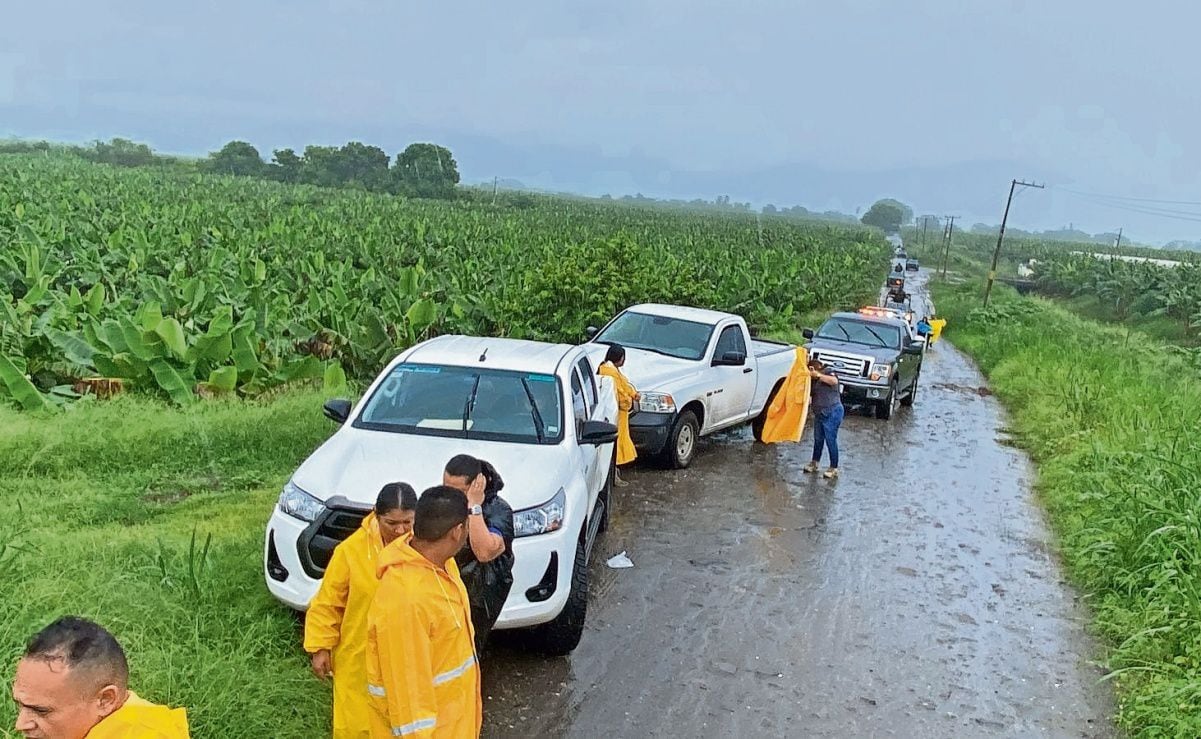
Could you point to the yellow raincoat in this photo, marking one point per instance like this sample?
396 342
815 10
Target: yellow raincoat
337 621
787 412
141 719
422 673
625 403
936 327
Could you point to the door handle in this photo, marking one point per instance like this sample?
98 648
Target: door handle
747 371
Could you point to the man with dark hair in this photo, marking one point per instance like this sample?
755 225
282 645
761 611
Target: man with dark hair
422 673
73 683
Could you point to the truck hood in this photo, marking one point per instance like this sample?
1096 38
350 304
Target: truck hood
650 371
356 463
881 354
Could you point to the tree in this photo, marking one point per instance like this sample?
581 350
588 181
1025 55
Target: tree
426 171
906 211
886 215
236 158
769 210
358 163
286 165
121 152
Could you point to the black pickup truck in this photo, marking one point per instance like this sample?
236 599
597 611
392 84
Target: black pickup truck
877 358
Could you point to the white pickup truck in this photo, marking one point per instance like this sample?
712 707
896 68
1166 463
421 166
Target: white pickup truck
538 412
697 371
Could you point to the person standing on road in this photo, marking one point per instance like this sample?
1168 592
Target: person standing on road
923 326
73 683
828 412
422 672
486 561
335 627
627 396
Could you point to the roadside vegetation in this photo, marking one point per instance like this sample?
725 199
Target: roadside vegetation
1110 417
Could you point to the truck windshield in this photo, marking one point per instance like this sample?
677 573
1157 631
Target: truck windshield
860 332
466 402
673 337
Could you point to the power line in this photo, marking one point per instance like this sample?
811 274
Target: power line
992 273
1178 215
1131 199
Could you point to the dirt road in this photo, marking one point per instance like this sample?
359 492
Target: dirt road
914 597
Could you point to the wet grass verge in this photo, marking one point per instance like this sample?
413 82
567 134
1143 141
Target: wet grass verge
1112 420
149 519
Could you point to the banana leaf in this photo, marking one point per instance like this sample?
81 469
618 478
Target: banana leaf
20 388
170 380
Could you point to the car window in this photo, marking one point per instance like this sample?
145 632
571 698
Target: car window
673 337
860 332
437 400
730 341
589 375
579 405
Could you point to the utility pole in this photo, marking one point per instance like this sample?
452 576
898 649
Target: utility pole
495 182
1118 245
947 247
992 273
924 221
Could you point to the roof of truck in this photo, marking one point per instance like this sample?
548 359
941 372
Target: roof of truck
682 312
502 354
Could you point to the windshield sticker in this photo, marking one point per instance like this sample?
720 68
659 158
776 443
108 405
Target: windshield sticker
425 369
540 378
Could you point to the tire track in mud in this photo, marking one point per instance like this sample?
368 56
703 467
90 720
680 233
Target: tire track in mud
916 596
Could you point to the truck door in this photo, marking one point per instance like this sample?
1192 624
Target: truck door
733 388
586 407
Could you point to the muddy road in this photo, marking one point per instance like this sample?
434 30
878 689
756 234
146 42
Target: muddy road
917 596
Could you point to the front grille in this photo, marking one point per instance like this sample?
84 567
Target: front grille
317 542
844 365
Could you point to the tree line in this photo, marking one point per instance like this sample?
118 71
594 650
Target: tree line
422 170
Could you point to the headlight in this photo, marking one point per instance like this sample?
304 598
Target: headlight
656 403
542 519
299 504
881 371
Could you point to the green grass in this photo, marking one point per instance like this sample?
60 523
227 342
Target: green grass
1111 419
102 503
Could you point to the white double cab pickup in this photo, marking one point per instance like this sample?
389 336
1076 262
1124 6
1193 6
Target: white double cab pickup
697 371
545 419
538 412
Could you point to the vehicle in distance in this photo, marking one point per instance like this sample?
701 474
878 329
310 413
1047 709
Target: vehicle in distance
538 412
697 371
911 265
877 357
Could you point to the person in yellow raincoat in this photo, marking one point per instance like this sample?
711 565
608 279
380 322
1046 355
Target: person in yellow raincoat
335 627
789 407
627 396
422 673
73 683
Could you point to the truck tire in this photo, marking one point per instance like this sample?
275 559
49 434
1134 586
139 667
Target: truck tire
911 396
681 442
560 636
886 407
761 419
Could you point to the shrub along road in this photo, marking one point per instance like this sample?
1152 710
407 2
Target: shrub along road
916 596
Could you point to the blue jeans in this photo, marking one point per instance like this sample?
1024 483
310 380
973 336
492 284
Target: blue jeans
825 432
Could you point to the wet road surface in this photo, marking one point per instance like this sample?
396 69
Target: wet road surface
917 596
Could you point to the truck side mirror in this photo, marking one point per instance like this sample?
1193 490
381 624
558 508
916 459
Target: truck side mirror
597 433
336 410
591 332
807 333
730 359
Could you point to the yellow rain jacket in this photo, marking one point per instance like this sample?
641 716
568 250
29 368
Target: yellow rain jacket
337 621
422 674
936 327
787 412
140 719
625 403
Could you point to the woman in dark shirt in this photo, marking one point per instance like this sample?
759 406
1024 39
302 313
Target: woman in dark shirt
826 404
486 560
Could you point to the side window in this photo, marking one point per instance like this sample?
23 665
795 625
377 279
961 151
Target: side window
730 341
578 405
589 376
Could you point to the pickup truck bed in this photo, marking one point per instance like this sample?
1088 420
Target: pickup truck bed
767 347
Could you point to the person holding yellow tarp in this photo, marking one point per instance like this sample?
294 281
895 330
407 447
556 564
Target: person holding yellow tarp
936 327
788 409
627 396
335 627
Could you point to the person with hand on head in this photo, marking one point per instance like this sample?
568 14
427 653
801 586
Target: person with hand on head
335 627
627 396
486 561
826 405
73 683
423 678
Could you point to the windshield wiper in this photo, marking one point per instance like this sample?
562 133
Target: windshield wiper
469 406
534 410
879 338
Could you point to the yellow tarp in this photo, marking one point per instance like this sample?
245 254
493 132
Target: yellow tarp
936 326
786 415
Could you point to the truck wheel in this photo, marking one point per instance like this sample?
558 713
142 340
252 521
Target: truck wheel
886 407
761 419
559 637
681 442
907 401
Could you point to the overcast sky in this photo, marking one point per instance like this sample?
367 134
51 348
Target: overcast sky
827 104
